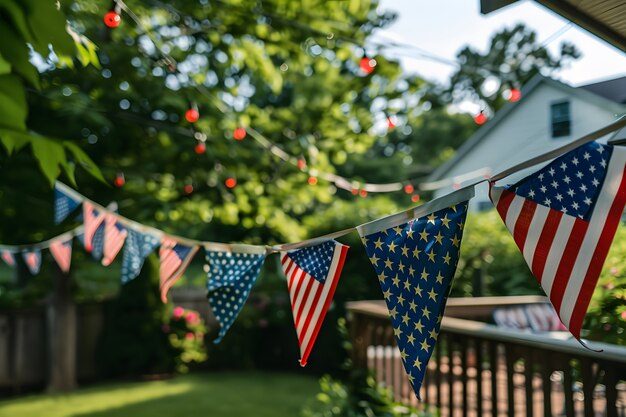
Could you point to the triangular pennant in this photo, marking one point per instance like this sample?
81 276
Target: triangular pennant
62 253
32 260
114 237
8 257
415 263
563 219
138 247
175 258
231 277
312 276
64 205
92 219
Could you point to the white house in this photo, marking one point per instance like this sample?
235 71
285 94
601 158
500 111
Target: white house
549 115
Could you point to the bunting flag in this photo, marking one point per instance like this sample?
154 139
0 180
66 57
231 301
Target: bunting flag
138 247
62 253
8 258
563 219
114 237
92 219
415 263
63 204
97 242
312 275
32 260
231 277
175 258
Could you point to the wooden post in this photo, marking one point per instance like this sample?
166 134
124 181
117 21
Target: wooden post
61 335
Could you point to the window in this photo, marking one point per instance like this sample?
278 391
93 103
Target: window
560 117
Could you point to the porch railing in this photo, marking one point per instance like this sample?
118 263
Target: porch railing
478 369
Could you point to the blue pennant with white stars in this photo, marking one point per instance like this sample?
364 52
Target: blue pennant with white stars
415 263
137 248
64 205
231 277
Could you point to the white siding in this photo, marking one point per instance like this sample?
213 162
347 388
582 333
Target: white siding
526 132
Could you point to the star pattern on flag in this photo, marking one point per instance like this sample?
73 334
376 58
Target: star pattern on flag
570 185
316 260
63 205
138 247
231 277
415 263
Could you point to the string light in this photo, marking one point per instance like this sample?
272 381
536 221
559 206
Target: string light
480 118
409 188
192 115
391 122
119 180
415 198
200 148
513 94
363 193
312 180
239 133
230 182
112 19
367 65
188 188
301 164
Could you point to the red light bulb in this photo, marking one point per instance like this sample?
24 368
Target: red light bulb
312 180
112 19
409 188
367 65
200 148
119 180
192 115
239 133
230 182
188 188
363 193
415 198
301 164
390 122
355 191
514 95
480 118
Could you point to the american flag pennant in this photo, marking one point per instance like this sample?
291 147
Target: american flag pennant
312 276
138 247
8 257
175 258
64 204
61 251
92 219
32 260
97 242
415 262
563 219
114 237
231 276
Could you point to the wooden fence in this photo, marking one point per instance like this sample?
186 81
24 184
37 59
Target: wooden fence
480 370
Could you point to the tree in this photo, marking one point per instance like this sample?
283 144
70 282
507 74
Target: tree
514 56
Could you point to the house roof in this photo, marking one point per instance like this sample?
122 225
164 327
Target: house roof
606 19
529 88
614 90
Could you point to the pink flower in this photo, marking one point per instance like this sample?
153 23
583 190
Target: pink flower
189 336
623 315
178 312
192 318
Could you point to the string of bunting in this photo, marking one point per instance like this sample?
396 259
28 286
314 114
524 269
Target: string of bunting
563 218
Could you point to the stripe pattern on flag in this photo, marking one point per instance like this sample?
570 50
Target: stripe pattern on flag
174 258
62 253
92 219
114 237
32 260
8 258
312 275
563 219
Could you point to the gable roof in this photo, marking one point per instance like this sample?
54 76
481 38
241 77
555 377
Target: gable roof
614 90
527 89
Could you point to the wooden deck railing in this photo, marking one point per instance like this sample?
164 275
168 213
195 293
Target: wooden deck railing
479 369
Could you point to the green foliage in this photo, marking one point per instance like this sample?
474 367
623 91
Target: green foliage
513 57
491 263
359 397
36 24
186 331
606 318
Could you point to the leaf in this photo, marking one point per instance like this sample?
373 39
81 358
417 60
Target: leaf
13 106
84 160
5 66
14 140
14 50
50 155
17 19
47 23
83 54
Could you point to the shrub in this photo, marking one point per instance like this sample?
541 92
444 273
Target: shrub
186 331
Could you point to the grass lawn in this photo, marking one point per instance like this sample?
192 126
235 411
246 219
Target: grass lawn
215 395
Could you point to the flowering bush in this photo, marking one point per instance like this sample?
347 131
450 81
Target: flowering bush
186 331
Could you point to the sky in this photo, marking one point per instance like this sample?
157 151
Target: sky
443 27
